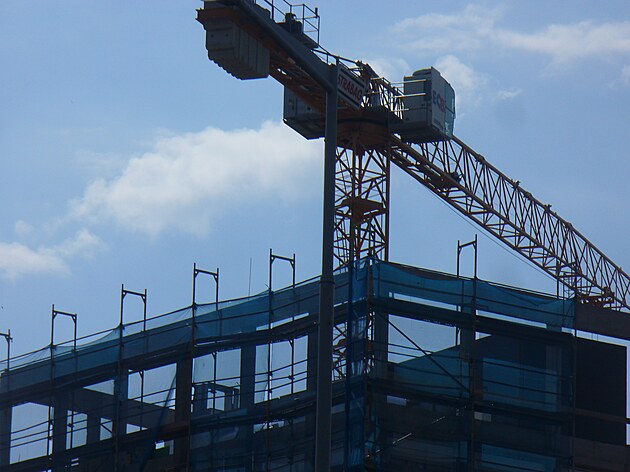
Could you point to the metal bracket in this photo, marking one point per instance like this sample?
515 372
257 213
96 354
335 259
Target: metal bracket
214 275
54 314
272 258
142 296
460 247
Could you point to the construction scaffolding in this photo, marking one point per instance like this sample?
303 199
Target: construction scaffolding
440 373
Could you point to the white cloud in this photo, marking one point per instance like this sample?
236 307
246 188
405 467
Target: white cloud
469 85
17 259
22 228
568 42
83 243
185 180
448 33
476 28
392 68
625 75
507 95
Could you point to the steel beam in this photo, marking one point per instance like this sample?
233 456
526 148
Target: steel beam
327 288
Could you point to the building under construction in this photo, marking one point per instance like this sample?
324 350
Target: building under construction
377 366
436 372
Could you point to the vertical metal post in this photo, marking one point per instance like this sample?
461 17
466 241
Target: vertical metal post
216 292
271 259
121 383
58 420
144 311
7 337
269 369
323 414
118 383
468 343
476 251
215 276
473 369
122 304
291 260
194 287
52 327
51 379
557 279
460 247
186 380
6 414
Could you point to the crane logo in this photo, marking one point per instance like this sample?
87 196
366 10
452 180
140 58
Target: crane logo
351 88
439 101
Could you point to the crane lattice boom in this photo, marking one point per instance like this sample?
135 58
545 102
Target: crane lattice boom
469 183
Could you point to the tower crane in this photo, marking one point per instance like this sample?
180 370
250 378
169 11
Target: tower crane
370 124
254 39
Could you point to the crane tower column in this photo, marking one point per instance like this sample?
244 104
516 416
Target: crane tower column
362 194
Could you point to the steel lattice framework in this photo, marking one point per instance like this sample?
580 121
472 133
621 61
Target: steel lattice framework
362 203
477 189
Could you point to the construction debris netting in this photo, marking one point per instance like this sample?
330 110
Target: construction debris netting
231 386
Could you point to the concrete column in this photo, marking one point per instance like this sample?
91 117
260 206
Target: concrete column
248 386
6 415
121 392
183 405
119 425
60 429
183 390
5 436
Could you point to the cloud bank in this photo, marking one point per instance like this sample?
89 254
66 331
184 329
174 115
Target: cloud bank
186 180
182 183
17 259
476 28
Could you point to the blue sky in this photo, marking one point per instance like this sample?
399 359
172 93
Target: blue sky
126 155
